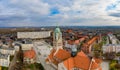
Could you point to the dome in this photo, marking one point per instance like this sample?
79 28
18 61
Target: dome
57 30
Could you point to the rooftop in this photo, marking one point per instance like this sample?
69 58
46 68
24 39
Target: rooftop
30 54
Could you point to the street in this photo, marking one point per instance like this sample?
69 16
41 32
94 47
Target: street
13 62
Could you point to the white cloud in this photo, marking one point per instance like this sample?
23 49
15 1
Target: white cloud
71 12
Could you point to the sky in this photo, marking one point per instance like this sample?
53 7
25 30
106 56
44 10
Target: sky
18 13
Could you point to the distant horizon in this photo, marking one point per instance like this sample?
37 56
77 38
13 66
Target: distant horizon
51 26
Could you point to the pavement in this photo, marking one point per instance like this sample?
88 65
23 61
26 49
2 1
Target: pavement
41 59
105 65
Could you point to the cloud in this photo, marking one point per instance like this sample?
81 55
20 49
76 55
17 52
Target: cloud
62 12
115 14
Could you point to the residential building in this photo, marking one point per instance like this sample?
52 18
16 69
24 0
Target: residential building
111 48
113 39
7 50
17 47
87 47
34 35
27 46
4 60
29 56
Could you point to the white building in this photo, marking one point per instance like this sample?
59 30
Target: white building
42 49
17 47
5 50
4 60
111 48
26 46
113 39
69 45
34 35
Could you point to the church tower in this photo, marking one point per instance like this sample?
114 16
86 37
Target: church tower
57 39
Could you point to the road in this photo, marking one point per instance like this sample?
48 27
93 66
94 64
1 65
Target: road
13 62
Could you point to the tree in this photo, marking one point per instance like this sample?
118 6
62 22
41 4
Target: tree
110 56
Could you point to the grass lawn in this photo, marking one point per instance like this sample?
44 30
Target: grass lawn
4 68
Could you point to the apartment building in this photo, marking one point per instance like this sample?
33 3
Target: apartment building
111 48
34 35
8 50
4 60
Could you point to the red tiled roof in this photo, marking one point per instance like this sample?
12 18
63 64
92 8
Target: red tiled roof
69 31
80 61
30 54
98 60
92 40
62 54
69 63
77 42
82 39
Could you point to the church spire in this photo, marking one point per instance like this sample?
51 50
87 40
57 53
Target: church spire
57 38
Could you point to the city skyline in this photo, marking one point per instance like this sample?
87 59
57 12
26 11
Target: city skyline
17 13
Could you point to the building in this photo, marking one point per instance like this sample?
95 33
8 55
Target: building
27 46
113 39
4 60
42 49
34 35
62 60
29 56
57 56
57 38
87 47
79 62
70 45
17 47
5 50
108 48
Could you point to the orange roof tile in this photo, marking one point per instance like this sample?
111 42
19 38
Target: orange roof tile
69 31
50 57
69 63
81 53
80 61
85 46
58 57
94 65
30 54
62 54
82 39
92 40
98 60
77 41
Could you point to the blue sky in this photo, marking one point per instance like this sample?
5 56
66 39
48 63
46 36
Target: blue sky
59 12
